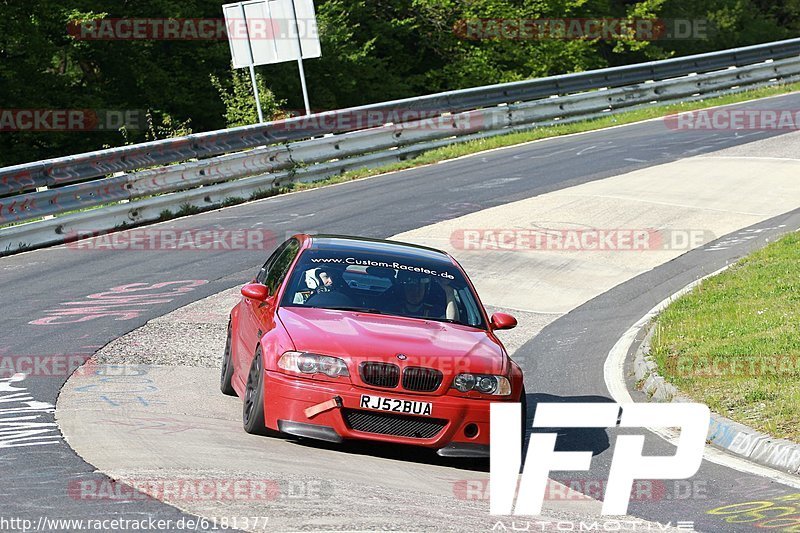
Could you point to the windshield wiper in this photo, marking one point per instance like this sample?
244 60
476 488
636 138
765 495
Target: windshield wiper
448 320
356 309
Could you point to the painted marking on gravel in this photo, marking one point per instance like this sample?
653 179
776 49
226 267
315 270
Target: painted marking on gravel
125 302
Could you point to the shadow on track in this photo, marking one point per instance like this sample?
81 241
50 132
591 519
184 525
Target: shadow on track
569 439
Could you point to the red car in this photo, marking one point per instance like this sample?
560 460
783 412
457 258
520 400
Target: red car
352 338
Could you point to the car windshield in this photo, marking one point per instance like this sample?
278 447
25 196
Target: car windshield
383 284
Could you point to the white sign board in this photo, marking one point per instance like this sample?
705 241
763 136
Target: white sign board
262 32
308 29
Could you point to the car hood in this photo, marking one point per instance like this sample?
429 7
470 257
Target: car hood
359 337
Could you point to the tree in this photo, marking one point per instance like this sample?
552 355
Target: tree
372 50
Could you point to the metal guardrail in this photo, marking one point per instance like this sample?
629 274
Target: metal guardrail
259 157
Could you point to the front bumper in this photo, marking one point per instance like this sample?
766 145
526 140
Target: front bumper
464 421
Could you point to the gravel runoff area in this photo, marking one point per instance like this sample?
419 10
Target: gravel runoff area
344 506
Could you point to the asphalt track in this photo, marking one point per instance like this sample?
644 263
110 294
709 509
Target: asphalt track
35 477
584 337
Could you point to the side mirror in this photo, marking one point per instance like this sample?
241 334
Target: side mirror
503 321
255 291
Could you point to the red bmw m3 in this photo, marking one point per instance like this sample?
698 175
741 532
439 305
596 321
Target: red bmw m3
350 338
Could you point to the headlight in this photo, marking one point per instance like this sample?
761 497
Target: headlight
464 382
494 385
311 363
487 384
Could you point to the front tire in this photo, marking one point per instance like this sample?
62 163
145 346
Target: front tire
253 409
226 371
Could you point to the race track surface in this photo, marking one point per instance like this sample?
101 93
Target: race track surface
39 286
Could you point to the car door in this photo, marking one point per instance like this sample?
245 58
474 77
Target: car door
244 333
261 315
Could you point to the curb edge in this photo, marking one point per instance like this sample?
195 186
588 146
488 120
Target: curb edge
723 432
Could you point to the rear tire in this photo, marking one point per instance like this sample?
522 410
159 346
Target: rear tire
226 371
253 408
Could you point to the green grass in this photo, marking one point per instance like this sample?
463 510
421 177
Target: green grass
733 343
471 147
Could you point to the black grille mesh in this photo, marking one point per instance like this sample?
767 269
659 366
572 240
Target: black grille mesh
421 379
380 374
398 425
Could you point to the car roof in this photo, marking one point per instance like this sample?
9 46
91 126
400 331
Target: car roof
350 243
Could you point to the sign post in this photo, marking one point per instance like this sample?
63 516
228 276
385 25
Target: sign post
300 56
262 32
252 66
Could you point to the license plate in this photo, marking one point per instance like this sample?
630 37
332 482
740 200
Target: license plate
410 407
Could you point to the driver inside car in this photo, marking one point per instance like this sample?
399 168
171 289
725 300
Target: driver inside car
420 299
323 279
330 289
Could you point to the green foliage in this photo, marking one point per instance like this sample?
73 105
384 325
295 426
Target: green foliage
232 200
188 209
372 50
164 126
239 100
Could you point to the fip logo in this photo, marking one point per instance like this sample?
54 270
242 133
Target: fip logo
627 465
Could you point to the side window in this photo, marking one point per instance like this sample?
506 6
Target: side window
280 267
262 274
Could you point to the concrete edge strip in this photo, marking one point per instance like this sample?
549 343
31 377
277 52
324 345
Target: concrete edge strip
753 452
